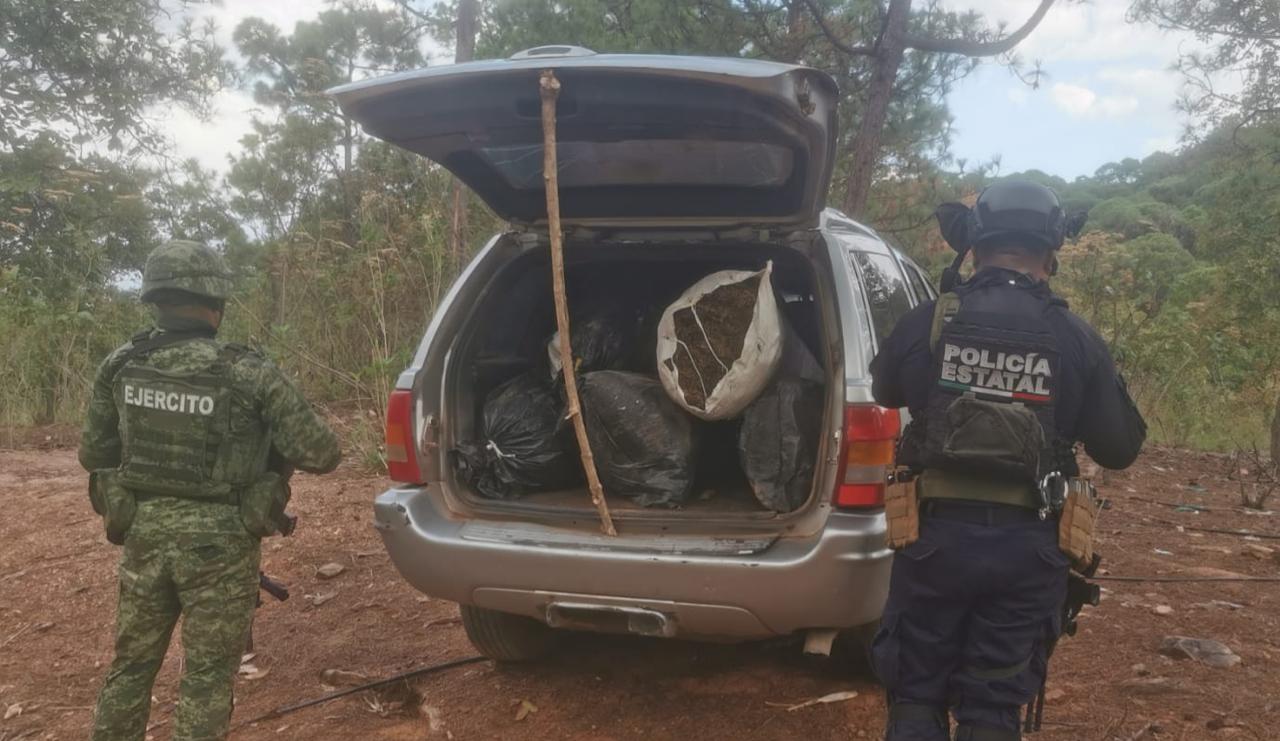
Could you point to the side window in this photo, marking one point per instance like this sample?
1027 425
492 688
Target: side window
918 283
931 291
886 290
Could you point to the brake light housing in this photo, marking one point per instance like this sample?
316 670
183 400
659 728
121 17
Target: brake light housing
870 441
402 454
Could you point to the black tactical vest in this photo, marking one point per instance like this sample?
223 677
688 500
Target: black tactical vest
184 434
996 361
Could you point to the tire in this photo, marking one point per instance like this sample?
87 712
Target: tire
502 636
851 654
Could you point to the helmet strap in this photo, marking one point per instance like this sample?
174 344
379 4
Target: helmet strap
951 276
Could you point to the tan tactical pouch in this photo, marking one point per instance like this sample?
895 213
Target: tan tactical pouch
902 512
1075 527
113 501
262 505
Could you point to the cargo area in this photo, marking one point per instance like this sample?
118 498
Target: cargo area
617 296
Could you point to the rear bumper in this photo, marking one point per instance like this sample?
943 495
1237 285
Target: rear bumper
838 578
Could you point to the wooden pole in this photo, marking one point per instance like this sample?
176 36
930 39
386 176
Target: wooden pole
549 87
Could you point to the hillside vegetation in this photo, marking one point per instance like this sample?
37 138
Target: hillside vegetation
1179 268
343 246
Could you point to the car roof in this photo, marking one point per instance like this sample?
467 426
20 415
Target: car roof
836 221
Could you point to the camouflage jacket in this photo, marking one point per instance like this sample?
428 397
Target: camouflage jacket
297 433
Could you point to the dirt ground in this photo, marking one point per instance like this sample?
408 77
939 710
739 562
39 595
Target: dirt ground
57 595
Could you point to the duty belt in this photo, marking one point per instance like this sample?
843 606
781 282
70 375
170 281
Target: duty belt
232 498
977 513
935 483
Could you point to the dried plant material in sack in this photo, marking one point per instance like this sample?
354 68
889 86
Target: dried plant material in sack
902 514
642 442
720 343
1076 525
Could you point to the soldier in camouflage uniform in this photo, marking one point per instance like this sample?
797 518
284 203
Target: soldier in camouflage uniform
177 436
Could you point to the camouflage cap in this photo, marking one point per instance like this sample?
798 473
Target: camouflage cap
187 266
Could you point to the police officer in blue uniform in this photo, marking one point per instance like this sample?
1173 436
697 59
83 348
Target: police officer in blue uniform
1002 381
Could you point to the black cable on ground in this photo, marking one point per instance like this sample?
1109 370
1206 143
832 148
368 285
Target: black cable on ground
1218 530
286 709
1186 579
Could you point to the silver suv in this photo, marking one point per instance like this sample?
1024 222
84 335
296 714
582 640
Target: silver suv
670 168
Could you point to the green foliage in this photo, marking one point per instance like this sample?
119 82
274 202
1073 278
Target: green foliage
1243 40
915 138
99 66
339 243
51 349
1119 215
1179 274
296 166
658 26
67 229
1177 269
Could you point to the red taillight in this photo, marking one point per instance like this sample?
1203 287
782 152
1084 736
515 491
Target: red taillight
402 461
870 436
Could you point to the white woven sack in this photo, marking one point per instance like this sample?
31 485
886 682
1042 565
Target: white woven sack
747 374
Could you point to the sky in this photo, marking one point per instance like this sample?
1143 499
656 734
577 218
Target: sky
211 141
1108 93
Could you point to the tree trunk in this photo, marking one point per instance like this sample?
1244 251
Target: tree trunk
279 285
348 144
47 410
464 51
465 47
795 31
351 232
458 223
348 133
866 143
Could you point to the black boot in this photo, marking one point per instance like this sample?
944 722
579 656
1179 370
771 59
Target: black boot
966 732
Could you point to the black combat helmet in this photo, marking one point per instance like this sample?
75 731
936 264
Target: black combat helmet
1018 208
1015 209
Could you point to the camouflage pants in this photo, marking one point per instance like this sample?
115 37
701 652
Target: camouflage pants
211 580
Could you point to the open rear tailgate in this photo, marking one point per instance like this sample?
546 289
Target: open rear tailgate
643 140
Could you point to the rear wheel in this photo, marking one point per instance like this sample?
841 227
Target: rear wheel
851 653
502 636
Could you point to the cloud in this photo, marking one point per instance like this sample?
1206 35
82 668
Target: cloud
283 15
212 141
1116 106
1083 102
1158 86
1074 99
1109 93
1089 32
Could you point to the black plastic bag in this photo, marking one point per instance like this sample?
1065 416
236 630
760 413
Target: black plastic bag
642 442
778 442
600 342
525 447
